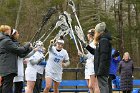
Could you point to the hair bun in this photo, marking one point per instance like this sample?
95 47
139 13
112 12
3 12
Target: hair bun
61 37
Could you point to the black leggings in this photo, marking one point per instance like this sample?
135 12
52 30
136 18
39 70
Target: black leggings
7 83
127 91
38 83
18 86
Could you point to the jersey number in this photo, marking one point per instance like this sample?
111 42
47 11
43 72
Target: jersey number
56 60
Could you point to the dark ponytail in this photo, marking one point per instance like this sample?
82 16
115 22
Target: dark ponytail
61 38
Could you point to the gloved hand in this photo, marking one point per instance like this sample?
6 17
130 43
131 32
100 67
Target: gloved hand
28 45
82 59
116 54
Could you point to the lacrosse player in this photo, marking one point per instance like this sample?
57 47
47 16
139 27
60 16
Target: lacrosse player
33 66
89 66
58 57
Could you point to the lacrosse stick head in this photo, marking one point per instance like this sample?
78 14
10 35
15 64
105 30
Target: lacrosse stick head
64 22
68 16
71 3
61 33
80 34
61 17
51 11
70 34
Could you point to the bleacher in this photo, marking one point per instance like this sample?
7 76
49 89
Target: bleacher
81 85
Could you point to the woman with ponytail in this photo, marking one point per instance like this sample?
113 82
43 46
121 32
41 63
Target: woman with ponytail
58 57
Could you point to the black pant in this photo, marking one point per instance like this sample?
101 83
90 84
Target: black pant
7 83
103 84
38 84
18 86
111 77
127 91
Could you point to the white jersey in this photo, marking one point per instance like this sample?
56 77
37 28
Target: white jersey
38 68
54 62
89 66
32 69
29 65
36 57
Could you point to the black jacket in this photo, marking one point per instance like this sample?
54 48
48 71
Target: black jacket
102 55
22 55
8 55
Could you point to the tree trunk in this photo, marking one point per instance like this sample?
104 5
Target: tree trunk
137 34
116 22
120 26
18 14
130 26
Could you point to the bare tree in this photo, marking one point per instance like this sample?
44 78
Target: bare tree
18 14
120 26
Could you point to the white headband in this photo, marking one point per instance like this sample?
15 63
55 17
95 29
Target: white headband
60 41
14 31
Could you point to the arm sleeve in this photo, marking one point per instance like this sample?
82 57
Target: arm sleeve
50 48
25 53
117 60
90 49
66 56
30 54
12 47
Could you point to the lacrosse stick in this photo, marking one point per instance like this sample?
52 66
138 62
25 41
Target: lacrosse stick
52 26
49 34
60 23
47 17
71 3
61 33
72 33
80 35
64 28
69 20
